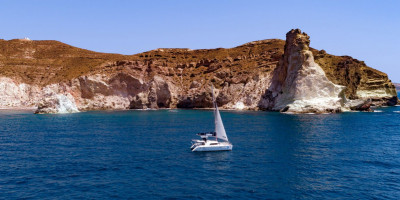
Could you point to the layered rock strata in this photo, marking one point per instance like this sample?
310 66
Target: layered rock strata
55 77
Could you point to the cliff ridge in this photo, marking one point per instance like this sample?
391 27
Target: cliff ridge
56 77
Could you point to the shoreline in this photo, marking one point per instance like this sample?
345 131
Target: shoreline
33 109
19 108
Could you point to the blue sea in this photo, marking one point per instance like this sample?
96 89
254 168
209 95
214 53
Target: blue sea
146 155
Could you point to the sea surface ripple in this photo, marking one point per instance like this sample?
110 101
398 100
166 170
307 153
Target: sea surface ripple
146 155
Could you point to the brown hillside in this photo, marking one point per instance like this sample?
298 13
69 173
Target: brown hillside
46 62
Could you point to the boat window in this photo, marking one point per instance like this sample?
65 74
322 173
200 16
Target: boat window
213 143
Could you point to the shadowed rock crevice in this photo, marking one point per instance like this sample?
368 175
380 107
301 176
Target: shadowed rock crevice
202 100
157 95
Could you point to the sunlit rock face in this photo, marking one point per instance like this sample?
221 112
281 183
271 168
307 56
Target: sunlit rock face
158 94
106 91
299 84
51 99
58 103
17 95
286 76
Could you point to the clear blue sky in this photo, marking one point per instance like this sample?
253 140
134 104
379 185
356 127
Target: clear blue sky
366 30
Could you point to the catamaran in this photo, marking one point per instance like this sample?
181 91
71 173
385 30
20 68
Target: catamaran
221 142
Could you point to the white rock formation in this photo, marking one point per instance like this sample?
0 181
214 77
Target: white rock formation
58 103
53 98
377 93
17 95
299 84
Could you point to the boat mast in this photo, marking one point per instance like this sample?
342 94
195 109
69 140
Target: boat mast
215 110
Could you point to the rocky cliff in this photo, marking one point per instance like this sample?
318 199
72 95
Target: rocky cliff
54 77
299 84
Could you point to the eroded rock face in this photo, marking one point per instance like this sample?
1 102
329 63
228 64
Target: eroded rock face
157 95
299 84
105 91
265 74
230 95
361 81
50 99
17 95
57 104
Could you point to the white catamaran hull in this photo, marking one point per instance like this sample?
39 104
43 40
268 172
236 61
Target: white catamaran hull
218 147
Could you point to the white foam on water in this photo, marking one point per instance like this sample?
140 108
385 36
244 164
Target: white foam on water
289 113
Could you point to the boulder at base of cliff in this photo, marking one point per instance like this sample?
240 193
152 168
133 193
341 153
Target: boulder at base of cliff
57 104
359 105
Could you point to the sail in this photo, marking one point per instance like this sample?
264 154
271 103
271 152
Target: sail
219 126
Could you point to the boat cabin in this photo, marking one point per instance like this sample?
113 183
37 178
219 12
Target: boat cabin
208 134
204 136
